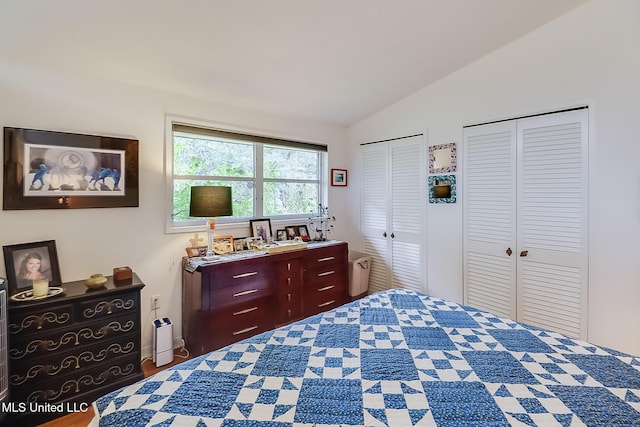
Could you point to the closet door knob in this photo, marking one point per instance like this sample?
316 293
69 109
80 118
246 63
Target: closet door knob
524 253
393 236
384 234
509 251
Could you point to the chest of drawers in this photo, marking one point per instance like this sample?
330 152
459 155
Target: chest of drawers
74 347
324 284
226 301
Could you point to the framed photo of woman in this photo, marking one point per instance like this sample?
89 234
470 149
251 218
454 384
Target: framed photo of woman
27 262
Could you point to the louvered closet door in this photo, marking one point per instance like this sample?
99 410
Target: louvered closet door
374 213
393 212
489 218
526 193
408 202
552 222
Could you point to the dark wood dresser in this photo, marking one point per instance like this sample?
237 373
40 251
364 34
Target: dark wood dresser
229 300
67 350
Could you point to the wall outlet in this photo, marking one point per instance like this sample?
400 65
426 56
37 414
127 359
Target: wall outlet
155 302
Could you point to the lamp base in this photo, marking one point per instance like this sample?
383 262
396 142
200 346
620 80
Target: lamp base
210 231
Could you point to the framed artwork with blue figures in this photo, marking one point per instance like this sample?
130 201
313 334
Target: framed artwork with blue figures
59 170
442 189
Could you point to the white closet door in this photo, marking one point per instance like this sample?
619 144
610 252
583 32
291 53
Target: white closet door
552 222
393 212
408 206
375 213
489 218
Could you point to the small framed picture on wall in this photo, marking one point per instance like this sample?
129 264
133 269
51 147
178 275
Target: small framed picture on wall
339 177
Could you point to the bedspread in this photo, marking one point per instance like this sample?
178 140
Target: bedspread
398 358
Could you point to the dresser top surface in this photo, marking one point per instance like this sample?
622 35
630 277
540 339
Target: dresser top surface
195 263
79 290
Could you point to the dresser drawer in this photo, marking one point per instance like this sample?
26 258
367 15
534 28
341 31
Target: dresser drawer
31 369
72 384
242 293
331 275
69 338
324 293
107 306
41 320
236 273
322 301
242 321
325 256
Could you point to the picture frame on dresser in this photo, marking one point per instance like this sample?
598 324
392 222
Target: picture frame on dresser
195 251
261 228
303 232
26 262
291 232
222 244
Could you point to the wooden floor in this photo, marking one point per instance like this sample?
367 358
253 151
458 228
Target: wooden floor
82 419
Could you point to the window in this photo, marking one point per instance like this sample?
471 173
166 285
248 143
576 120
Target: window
269 177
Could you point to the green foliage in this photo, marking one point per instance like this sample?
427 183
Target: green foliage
199 161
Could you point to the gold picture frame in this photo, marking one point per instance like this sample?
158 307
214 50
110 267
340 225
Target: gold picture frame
222 244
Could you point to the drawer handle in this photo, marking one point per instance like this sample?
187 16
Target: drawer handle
289 297
243 293
244 331
326 273
326 303
326 288
329 258
289 281
240 276
248 310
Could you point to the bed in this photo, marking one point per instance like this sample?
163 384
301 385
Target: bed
398 358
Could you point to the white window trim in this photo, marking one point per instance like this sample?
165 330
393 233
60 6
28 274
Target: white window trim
201 225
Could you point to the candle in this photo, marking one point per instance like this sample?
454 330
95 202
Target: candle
40 288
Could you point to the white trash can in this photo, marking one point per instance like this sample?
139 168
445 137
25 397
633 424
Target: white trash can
359 269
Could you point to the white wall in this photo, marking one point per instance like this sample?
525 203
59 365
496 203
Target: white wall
589 56
96 240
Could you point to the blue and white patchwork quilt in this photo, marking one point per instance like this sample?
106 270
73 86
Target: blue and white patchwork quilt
396 358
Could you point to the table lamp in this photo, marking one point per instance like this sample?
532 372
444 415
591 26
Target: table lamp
210 201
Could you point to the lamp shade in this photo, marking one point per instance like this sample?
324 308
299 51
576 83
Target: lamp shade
210 201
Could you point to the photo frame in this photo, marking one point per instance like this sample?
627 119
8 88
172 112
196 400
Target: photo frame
261 228
222 244
443 158
58 170
281 234
291 232
254 243
195 251
238 245
26 262
339 177
442 189
303 232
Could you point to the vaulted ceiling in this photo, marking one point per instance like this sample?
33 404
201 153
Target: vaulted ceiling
334 61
